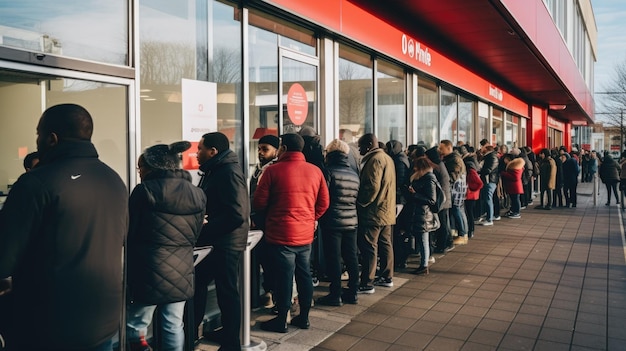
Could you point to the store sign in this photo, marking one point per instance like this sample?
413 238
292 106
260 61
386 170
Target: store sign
553 123
414 50
297 104
495 93
199 103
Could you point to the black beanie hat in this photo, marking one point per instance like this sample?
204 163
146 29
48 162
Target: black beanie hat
165 157
217 140
270 139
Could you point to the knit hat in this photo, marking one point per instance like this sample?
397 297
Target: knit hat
165 157
338 145
270 139
515 151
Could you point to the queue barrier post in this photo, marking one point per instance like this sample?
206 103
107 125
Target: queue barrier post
254 236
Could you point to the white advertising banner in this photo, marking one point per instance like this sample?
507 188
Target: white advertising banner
199 108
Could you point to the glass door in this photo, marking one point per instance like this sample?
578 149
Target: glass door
298 92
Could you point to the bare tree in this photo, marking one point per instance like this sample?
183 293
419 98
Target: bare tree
614 104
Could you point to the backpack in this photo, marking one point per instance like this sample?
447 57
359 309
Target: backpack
441 198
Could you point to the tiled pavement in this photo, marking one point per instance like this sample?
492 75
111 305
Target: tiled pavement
552 280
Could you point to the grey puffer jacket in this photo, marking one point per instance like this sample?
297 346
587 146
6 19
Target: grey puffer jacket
166 214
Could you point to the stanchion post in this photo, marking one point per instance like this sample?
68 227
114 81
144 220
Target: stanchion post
595 190
254 236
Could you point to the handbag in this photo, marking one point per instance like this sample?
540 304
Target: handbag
434 224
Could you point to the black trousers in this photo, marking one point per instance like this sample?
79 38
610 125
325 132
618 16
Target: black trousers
443 237
338 245
221 265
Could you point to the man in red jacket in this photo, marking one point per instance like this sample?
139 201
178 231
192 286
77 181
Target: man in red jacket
294 195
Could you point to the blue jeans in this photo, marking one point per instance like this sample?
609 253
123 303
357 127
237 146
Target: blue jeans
460 220
138 318
423 245
486 194
290 260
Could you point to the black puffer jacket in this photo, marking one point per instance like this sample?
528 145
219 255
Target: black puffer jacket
403 168
343 187
489 172
166 214
227 207
424 197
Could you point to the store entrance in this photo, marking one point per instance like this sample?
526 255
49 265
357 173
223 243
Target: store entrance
298 95
25 95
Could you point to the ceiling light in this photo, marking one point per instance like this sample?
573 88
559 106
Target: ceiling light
557 107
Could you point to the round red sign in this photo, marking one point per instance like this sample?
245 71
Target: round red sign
297 104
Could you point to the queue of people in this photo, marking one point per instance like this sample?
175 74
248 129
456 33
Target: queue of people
364 204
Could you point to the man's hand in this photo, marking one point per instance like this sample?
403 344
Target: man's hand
5 286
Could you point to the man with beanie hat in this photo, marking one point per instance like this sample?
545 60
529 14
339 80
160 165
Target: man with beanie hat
267 153
294 195
376 206
166 213
228 213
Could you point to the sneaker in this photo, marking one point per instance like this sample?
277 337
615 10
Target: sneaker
508 213
514 215
479 221
487 223
497 218
329 301
539 207
461 240
316 282
386 282
349 299
345 276
367 289
547 208
431 259
141 345
522 208
449 248
421 270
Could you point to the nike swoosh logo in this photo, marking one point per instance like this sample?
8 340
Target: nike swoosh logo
74 177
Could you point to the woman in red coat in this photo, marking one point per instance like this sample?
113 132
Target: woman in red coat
512 181
474 184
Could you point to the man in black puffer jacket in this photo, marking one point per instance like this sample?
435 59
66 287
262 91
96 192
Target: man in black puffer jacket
228 213
166 214
62 230
339 225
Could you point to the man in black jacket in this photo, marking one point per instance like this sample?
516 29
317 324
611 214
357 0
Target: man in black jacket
227 226
62 229
490 176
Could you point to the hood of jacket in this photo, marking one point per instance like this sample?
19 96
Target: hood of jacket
394 147
516 163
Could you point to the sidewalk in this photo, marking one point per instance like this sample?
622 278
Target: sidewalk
552 280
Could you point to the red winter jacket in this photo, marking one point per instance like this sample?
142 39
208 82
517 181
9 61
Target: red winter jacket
474 184
294 195
512 176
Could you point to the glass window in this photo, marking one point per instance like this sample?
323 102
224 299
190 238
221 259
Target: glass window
299 101
391 109
107 104
523 139
288 35
449 123
483 122
497 127
427 112
466 121
191 76
355 94
91 29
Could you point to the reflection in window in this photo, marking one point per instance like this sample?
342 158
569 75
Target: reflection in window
355 94
391 110
483 122
448 116
90 30
299 83
175 45
496 126
466 119
427 112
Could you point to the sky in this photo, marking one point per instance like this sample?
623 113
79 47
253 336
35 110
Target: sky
611 23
